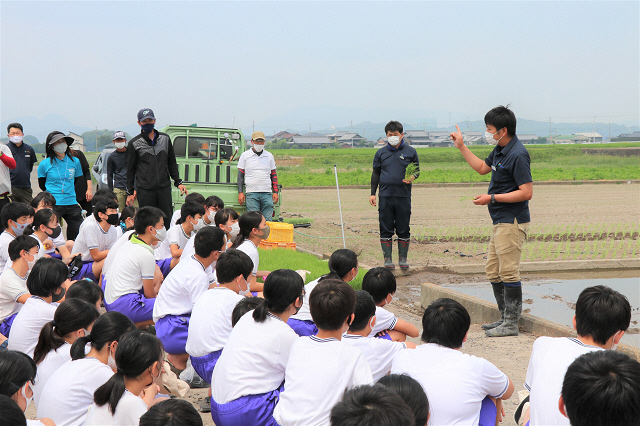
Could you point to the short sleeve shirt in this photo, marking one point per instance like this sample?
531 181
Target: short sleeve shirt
378 352
251 250
393 165
385 320
60 178
92 236
257 170
510 168
133 263
12 286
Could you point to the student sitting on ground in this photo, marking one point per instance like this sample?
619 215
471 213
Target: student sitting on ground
321 367
371 405
602 317
127 395
171 412
245 305
47 285
179 292
227 220
15 218
60 247
378 352
601 388
87 291
249 374
129 282
81 376
253 229
12 415
17 375
192 197
380 283
73 319
13 282
100 195
343 265
127 216
411 393
168 252
461 388
45 229
95 239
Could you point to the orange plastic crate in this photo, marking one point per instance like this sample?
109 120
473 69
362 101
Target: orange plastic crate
268 245
280 232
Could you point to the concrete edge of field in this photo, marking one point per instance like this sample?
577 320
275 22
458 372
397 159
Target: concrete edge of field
485 312
547 266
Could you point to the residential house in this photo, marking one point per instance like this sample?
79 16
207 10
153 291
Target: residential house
78 142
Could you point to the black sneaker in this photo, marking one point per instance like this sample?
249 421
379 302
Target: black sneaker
205 407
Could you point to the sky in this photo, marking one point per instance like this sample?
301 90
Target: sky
217 63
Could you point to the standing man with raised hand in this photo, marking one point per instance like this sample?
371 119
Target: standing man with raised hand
508 197
394 212
25 158
151 165
257 168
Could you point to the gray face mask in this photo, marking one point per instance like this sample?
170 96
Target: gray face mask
60 148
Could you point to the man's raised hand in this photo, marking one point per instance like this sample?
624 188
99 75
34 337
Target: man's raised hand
456 137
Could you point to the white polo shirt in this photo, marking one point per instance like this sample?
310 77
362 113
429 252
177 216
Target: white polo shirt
317 374
385 320
26 326
253 360
175 235
90 219
304 314
455 383
133 263
12 286
210 323
174 218
257 170
128 412
68 394
550 359
51 362
181 289
251 250
41 250
114 250
378 352
5 239
92 236
189 250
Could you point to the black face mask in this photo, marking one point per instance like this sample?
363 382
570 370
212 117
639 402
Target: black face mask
59 296
55 232
113 219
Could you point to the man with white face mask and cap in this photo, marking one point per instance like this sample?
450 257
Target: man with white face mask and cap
394 210
117 169
257 168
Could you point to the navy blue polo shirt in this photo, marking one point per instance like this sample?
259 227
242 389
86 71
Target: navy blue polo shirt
393 165
25 158
510 168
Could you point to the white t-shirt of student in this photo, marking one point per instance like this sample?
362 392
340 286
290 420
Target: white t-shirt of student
90 219
455 383
5 239
51 362
174 218
317 374
133 263
114 250
92 236
12 287
181 289
175 235
550 359
257 170
128 412
26 326
68 394
41 250
251 250
385 320
189 250
57 242
378 352
210 323
264 346
304 314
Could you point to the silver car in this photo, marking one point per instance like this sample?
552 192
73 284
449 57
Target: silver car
99 169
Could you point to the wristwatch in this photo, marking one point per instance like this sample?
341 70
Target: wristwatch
493 198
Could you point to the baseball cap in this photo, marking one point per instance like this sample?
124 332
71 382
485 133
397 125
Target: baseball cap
257 135
56 136
145 113
119 135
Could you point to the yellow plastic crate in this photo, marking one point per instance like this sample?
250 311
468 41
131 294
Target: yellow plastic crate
280 232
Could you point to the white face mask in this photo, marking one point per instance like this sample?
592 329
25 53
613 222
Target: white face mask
258 148
30 263
371 322
244 292
199 224
23 391
161 233
15 139
489 137
212 216
235 230
60 148
614 346
112 362
393 140
120 145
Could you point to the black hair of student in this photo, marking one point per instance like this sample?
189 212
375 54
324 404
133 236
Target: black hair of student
340 263
13 211
379 282
47 276
127 213
70 316
207 240
14 126
50 153
243 306
16 369
281 288
137 351
11 413
102 206
189 209
85 290
47 199
365 309
32 211
146 217
371 405
21 242
393 126
109 327
171 412
104 194
445 322
247 223
223 216
232 263
501 117
194 197
214 201
602 388
411 393
601 312
331 303
41 217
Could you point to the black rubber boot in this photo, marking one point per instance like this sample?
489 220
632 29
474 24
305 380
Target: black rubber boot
512 311
403 250
386 252
498 292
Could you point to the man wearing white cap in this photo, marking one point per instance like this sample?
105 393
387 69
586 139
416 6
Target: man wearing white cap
257 169
117 169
